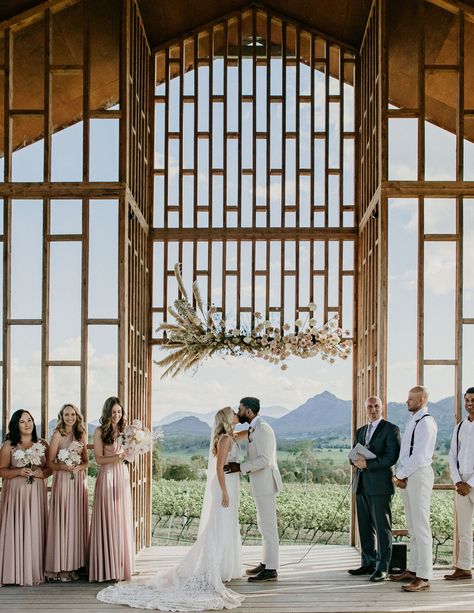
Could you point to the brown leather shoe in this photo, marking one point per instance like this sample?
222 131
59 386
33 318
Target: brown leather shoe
417 585
406 575
458 573
256 570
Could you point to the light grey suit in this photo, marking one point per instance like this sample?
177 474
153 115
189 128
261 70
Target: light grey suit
266 482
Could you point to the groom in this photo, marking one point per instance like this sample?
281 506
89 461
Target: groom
265 481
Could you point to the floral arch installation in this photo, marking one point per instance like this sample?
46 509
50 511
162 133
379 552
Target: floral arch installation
254 186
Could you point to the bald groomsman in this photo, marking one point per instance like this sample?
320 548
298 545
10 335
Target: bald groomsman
414 476
374 489
461 463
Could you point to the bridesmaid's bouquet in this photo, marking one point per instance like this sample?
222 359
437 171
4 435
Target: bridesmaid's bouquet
27 458
135 439
71 455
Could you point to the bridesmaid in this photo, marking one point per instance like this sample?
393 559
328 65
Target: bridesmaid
23 506
111 539
66 549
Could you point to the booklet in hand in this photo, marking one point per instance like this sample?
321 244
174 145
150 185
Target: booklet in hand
360 450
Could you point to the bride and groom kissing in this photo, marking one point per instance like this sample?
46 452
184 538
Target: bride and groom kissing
196 583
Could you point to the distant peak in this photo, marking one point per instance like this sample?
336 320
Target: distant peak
324 395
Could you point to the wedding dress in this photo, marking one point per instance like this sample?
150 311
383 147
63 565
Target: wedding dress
196 583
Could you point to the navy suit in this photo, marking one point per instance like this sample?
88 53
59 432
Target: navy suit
374 490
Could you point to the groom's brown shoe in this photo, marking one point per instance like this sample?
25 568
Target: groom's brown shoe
264 575
417 585
256 570
458 574
406 575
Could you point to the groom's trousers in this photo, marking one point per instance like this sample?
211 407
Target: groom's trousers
267 524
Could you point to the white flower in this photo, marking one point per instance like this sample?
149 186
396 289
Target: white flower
248 339
63 455
299 323
312 306
136 423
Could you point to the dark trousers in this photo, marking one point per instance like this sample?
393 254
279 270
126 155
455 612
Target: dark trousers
374 518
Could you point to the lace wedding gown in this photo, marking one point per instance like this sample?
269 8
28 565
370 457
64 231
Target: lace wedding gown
196 583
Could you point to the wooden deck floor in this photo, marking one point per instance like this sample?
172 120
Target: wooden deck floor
320 583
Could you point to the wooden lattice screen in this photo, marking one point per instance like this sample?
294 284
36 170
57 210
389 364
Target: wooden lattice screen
254 170
80 104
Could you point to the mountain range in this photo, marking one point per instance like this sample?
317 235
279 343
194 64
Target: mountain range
274 411
323 415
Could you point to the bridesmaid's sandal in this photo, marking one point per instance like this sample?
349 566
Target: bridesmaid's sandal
65 577
74 575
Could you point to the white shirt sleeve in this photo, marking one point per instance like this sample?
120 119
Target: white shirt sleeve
423 449
453 457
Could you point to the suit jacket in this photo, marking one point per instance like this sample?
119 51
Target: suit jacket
376 479
262 460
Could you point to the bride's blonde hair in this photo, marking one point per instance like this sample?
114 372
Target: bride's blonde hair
223 424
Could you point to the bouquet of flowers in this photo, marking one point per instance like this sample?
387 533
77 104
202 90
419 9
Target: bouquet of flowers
199 333
72 455
27 458
135 439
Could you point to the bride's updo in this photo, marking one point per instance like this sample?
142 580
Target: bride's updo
223 424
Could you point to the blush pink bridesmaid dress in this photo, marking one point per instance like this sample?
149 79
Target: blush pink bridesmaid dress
112 550
23 519
68 522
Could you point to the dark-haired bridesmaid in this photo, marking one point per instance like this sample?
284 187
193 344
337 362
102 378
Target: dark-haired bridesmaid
66 549
23 504
111 537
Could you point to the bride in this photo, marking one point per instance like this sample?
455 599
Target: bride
196 583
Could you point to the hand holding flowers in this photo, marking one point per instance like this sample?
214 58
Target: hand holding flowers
27 458
135 440
71 456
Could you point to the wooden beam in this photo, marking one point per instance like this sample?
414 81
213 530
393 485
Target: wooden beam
63 190
432 189
243 234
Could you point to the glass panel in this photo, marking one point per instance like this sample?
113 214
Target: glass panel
158 274
467 356
441 37
66 217
468 163
26 370
440 216
468 258
402 296
67 39
440 154
440 300
104 150
64 387
403 73
28 156
66 142
103 258
28 68
1 298
65 301
102 370
26 258
402 149
105 55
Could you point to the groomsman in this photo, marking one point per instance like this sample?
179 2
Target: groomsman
414 476
461 463
374 491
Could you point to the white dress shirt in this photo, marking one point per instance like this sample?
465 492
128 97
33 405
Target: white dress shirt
423 447
372 425
466 453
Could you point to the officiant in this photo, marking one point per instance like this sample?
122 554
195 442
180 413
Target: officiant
374 490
